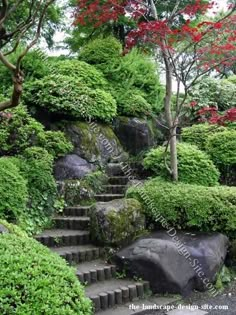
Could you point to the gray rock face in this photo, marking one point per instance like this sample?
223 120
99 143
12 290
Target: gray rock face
95 142
72 167
136 134
117 222
3 229
177 264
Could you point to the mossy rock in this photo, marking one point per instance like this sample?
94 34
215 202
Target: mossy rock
95 142
117 222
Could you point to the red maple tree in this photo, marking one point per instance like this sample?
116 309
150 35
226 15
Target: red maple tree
189 49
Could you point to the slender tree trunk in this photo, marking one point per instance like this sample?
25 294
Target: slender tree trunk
172 125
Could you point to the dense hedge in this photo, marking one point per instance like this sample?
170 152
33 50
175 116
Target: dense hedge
195 166
222 147
186 206
66 96
198 134
36 281
13 190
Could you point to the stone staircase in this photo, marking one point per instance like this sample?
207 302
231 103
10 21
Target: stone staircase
70 238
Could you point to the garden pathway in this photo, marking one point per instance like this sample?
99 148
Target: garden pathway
70 238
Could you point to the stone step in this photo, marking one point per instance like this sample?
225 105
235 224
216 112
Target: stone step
118 180
108 197
94 271
114 189
78 254
60 237
77 211
72 223
109 293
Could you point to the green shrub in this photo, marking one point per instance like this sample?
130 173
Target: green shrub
18 131
134 105
36 166
185 206
136 72
55 143
222 147
199 133
66 96
36 281
101 51
195 166
83 72
96 180
13 191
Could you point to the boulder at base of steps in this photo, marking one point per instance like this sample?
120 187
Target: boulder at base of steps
179 261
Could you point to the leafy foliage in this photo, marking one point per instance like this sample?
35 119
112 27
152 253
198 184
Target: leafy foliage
13 190
198 134
136 73
54 142
39 282
185 206
66 96
18 131
36 166
195 166
214 92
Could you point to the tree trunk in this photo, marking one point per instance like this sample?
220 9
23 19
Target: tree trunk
172 125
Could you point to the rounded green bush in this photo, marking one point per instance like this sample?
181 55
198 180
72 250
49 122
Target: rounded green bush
18 131
222 148
198 134
83 72
36 281
185 206
13 191
195 166
65 95
101 51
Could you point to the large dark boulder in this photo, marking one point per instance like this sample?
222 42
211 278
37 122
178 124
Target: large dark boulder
117 222
175 262
94 142
134 134
72 166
